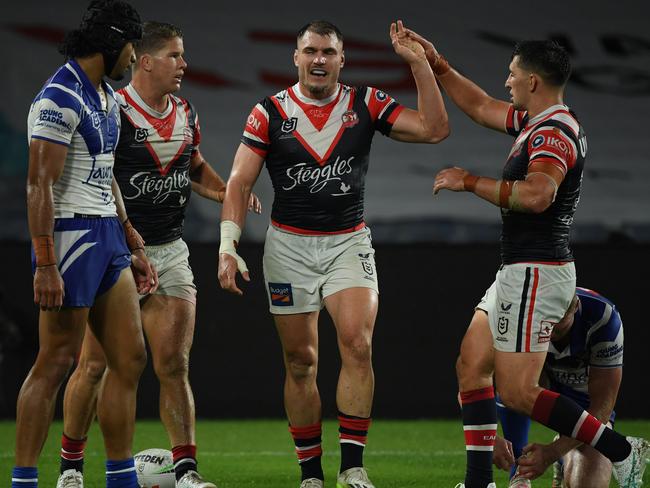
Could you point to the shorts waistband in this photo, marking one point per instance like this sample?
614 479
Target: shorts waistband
75 215
306 232
164 245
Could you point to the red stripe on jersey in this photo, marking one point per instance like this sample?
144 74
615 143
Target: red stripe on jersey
376 104
549 160
306 432
394 114
554 141
480 437
317 115
258 125
531 308
277 104
164 170
588 429
477 395
544 406
514 119
307 232
164 126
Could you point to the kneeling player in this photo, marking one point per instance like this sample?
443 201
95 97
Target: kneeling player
585 363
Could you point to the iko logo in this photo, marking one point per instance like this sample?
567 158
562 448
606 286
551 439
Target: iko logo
290 125
281 294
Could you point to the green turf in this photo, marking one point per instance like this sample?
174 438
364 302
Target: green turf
259 453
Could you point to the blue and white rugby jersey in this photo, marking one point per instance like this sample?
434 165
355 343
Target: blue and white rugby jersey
68 111
596 340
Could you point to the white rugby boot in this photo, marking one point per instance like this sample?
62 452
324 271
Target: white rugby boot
312 483
70 478
558 475
629 472
354 478
519 482
192 479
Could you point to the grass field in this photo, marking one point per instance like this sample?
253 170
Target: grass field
259 453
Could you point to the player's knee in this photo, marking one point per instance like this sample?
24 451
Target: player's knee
301 363
171 364
93 370
356 348
55 367
130 363
518 397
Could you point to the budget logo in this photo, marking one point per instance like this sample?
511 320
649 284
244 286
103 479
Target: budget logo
281 294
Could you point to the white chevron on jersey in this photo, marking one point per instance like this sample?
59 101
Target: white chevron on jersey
319 143
164 134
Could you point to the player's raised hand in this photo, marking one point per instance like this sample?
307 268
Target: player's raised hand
48 287
450 179
429 48
408 49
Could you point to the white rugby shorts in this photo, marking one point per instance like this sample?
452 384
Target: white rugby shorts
175 275
301 270
525 302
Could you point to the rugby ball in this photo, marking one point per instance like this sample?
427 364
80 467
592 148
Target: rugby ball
155 468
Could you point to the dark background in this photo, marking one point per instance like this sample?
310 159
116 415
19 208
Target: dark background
427 294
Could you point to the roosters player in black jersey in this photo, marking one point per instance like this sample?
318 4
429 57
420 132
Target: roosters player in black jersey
315 138
535 285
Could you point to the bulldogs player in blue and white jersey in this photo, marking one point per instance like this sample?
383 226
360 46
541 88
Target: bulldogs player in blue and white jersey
157 165
80 256
315 138
537 196
585 363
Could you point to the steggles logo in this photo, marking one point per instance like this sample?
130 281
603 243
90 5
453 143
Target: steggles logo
317 178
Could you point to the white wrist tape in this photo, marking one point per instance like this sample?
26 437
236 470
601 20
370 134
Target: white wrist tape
230 234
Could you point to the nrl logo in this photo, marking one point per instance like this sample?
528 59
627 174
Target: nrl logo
141 134
289 125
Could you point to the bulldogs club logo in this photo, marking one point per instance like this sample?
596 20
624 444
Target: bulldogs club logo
350 119
290 125
141 134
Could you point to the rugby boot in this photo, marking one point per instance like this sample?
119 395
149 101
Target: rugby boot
354 478
629 472
70 478
312 483
462 485
192 479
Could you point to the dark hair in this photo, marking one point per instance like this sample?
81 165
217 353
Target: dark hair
107 25
546 58
155 35
322 28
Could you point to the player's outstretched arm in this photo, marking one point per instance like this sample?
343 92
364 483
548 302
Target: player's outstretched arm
207 183
46 161
532 195
245 171
429 123
467 95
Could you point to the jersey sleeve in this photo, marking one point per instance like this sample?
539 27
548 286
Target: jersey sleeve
383 109
550 144
55 115
256 131
606 342
515 121
196 132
